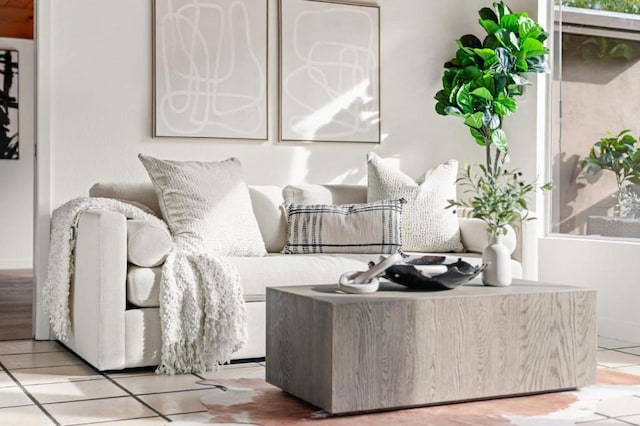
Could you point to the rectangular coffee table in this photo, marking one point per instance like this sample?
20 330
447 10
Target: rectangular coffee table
391 349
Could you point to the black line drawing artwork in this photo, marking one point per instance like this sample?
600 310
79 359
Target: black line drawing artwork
9 142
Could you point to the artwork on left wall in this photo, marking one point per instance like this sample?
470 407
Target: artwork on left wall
9 141
210 68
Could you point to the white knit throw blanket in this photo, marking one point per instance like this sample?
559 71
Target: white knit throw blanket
202 312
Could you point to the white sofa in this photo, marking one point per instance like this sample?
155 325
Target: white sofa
114 305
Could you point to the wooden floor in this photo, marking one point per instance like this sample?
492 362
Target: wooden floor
16 304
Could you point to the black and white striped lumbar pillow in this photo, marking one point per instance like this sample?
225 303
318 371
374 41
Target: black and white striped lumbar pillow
349 228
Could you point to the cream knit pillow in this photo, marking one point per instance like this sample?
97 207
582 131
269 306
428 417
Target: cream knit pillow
206 205
427 226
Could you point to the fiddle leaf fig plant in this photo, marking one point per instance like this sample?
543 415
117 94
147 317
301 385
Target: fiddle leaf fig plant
486 76
481 85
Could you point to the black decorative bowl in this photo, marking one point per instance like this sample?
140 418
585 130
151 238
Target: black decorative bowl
458 273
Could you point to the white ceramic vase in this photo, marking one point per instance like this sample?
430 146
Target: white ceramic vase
498 260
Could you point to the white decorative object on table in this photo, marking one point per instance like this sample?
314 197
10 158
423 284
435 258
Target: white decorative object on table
367 281
498 260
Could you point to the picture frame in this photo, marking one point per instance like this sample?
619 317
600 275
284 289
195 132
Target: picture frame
329 71
211 69
9 103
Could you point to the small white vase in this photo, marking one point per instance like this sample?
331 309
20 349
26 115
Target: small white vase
498 260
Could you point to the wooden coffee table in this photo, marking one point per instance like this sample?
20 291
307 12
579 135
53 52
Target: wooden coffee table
396 348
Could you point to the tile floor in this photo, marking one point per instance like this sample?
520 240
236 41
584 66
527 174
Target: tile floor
43 384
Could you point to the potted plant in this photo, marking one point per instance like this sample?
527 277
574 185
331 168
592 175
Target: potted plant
620 155
481 85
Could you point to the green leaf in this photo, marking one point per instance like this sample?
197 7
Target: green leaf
464 99
521 61
520 80
515 41
451 110
492 121
470 73
469 40
533 45
483 93
477 135
489 26
508 103
499 139
502 10
440 108
503 58
488 14
490 42
485 53
474 120
510 22
442 96
525 27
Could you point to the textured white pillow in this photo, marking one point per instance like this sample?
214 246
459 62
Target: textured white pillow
427 225
148 244
206 205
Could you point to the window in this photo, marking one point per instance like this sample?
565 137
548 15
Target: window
597 86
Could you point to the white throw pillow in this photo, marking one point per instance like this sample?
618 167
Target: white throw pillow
148 244
347 228
206 205
427 225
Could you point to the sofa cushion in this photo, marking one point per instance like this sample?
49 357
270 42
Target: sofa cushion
346 228
206 205
274 270
427 226
265 200
148 244
309 193
475 236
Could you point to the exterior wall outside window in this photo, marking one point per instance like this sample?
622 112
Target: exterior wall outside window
596 81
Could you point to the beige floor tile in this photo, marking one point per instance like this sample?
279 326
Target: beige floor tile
635 350
617 407
66 373
176 402
5 380
605 422
610 343
29 415
29 346
74 391
615 359
13 397
159 383
135 422
42 359
634 420
255 372
98 410
590 418
202 417
132 373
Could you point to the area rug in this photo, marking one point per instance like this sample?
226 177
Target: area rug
253 401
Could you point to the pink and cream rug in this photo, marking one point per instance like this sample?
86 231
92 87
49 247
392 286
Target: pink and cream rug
253 401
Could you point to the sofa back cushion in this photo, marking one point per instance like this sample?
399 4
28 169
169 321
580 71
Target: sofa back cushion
265 199
309 193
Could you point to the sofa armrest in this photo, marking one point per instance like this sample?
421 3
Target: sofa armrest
98 293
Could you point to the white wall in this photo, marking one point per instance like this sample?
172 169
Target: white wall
95 108
609 267
16 176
